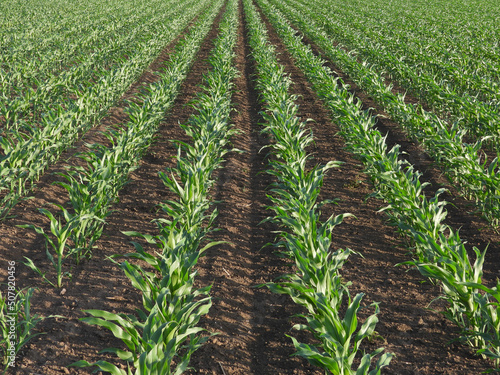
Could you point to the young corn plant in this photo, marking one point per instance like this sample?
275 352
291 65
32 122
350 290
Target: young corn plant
337 335
451 266
92 191
179 251
16 324
154 340
490 329
58 245
90 210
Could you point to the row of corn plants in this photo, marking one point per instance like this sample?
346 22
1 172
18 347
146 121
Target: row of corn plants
50 26
45 67
441 254
165 335
26 102
317 283
47 42
93 190
16 321
478 180
28 152
459 46
25 40
423 75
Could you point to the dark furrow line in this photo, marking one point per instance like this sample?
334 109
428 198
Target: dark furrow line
251 322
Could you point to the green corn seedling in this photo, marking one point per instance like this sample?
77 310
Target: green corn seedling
16 323
62 233
154 340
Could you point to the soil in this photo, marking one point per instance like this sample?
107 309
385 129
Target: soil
251 322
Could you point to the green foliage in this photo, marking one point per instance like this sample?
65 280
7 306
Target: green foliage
162 339
16 323
316 285
47 108
441 253
62 233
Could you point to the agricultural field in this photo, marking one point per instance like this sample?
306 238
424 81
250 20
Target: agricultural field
249 187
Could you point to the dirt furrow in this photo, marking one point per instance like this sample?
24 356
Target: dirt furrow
251 322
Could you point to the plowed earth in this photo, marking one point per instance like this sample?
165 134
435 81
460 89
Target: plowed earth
251 322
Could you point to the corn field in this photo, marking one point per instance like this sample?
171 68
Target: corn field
249 187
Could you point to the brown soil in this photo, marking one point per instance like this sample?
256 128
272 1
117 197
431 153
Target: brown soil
251 322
